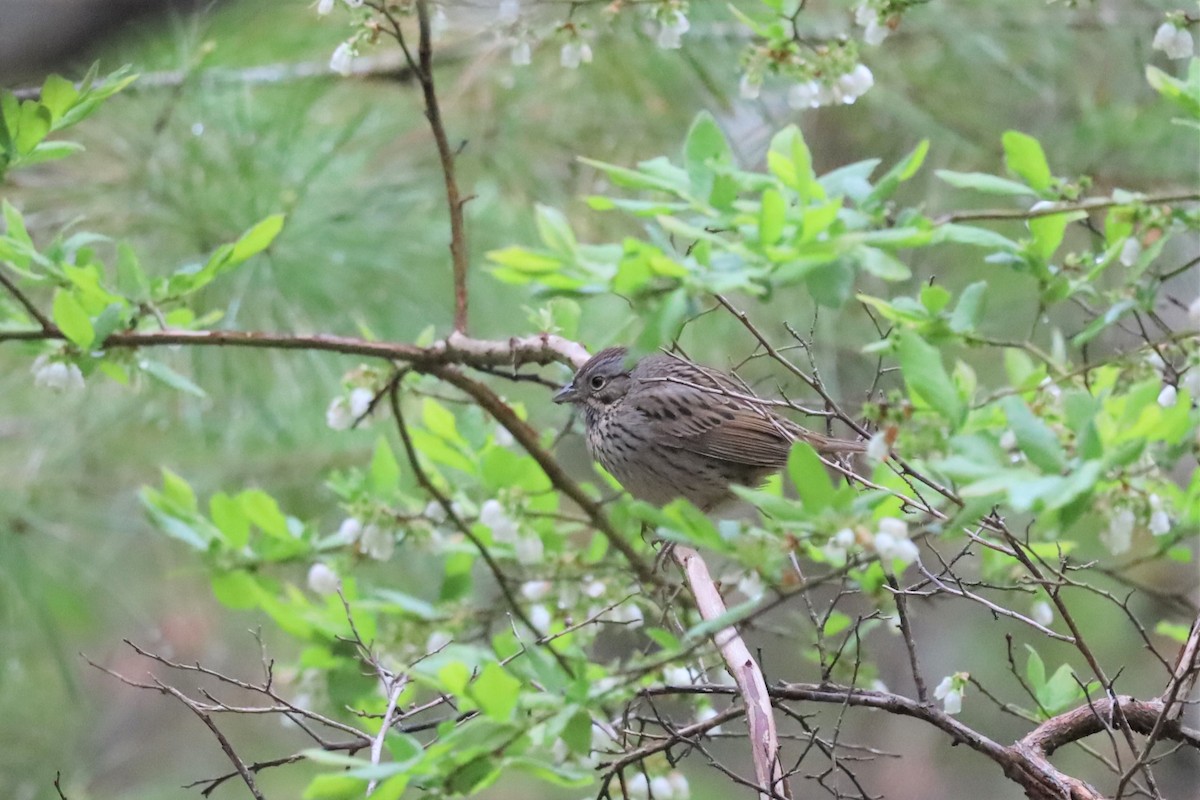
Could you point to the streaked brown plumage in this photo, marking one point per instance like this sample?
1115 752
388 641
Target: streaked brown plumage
667 428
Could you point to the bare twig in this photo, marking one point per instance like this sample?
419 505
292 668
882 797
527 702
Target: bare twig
1090 204
48 327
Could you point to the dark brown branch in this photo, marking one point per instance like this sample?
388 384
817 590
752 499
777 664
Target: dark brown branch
1096 717
442 500
12 288
910 642
454 200
611 768
537 349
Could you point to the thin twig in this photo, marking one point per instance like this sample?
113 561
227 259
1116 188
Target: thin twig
454 200
1090 204
47 326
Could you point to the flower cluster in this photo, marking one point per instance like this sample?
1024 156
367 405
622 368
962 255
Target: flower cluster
673 24
875 30
1174 39
375 540
526 545
891 541
326 6
57 376
343 411
672 786
574 53
950 691
322 579
846 88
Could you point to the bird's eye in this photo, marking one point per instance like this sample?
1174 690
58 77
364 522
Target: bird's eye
597 382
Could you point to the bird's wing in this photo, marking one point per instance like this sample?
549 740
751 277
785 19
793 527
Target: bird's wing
706 413
691 413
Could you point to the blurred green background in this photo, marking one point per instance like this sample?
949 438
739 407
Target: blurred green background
177 170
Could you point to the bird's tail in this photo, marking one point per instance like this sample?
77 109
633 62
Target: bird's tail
825 445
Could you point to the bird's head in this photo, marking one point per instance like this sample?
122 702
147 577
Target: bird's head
599 383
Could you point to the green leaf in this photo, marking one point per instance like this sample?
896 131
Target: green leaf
1177 632
705 148
952 233
555 231
164 374
236 589
384 473
882 264
58 94
264 512
566 775
335 786
1114 313
722 621
190 278
131 279
1060 692
565 314
789 160
15 223
901 172
1048 231
408 605
934 298
524 260
230 518
1035 670
1185 95
809 477
577 731
1024 157
771 217
851 181
927 378
440 421
453 676
391 789
673 182
1034 437
72 320
982 182
831 284
51 151
969 311
178 491
817 218
496 691
257 239
33 123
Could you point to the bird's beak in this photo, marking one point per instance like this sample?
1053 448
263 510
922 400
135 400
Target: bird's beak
567 394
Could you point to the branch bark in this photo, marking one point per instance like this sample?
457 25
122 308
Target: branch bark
454 200
760 717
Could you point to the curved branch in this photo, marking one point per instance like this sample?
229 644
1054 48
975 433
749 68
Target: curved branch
27 304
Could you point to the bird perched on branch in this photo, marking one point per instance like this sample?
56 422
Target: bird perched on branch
666 428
